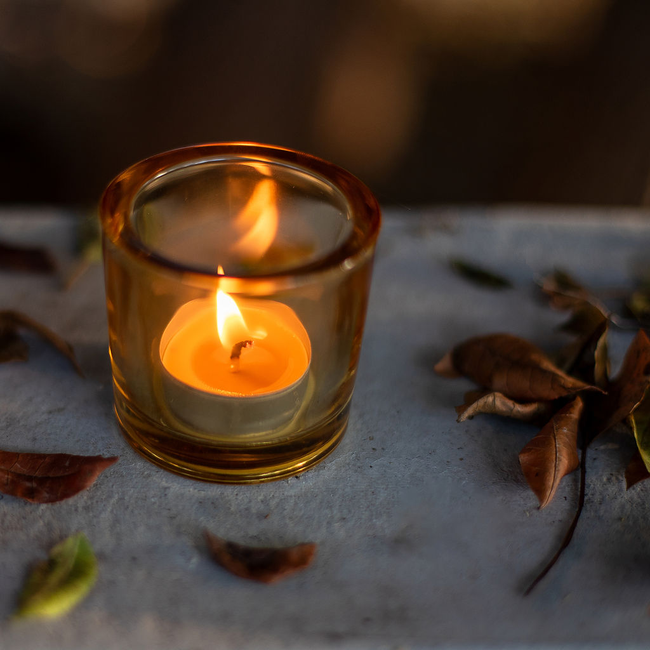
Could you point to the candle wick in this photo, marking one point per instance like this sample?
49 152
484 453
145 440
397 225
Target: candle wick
235 353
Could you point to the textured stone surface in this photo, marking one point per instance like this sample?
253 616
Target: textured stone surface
427 533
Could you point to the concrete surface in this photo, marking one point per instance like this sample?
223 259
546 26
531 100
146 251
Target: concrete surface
427 532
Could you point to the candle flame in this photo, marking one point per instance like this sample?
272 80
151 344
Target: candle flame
231 327
259 218
220 270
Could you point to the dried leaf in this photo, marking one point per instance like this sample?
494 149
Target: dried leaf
639 421
601 362
89 238
626 392
11 321
58 584
584 320
479 276
445 367
564 291
636 471
12 347
587 357
261 564
498 404
639 303
89 249
513 366
47 478
24 258
552 453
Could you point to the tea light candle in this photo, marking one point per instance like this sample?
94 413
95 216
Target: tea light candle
232 368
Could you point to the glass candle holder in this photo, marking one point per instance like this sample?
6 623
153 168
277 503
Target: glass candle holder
237 279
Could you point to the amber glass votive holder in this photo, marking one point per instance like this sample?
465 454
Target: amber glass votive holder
237 279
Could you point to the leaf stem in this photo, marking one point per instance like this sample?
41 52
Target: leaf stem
574 524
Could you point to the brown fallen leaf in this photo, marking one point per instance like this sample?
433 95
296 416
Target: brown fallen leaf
47 478
89 249
639 422
587 357
445 367
12 347
26 258
636 471
626 392
507 364
564 291
11 321
638 303
601 367
262 564
585 318
552 453
477 402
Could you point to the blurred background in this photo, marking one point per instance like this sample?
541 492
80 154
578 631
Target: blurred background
425 100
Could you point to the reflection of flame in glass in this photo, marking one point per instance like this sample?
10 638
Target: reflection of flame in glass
260 218
230 323
262 168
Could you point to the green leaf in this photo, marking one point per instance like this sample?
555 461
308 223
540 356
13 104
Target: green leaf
640 422
59 583
479 276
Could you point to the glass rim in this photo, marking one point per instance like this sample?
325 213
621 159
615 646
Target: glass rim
117 202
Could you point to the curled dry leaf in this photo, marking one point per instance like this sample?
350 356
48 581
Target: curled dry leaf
55 586
587 357
552 453
639 421
12 347
584 320
478 275
89 238
626 392
638 304
513 366
47 478
12 321
601 366
565 292
25 258
89 249
445 367
636 471
261 564
477 402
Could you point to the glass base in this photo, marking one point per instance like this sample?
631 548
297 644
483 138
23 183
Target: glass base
229 463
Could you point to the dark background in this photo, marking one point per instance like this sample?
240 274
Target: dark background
425 100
